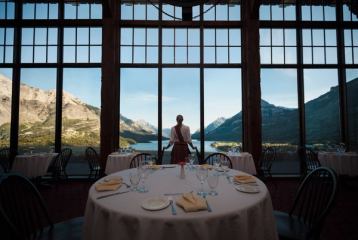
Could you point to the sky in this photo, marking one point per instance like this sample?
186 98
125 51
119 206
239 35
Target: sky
181 94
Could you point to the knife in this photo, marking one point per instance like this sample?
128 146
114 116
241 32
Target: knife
112 194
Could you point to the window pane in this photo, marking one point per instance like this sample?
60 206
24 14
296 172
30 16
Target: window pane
81 109
223 129
5 107
322 106
280 120
180 96
352 107
139 109
37 110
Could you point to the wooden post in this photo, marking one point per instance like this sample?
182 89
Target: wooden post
110 82
251 79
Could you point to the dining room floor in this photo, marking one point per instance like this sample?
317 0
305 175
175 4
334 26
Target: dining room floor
68 200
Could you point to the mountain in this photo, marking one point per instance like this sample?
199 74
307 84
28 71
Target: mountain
212 126
280 124
166 132
80 121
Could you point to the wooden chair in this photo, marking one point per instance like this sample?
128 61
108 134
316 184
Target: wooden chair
268 157
58 166
24 211
311 161
312 204
93 162
217 157
139 159
5 159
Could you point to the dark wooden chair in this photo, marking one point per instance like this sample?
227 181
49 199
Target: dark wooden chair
58 166
23 209
217 157
312 203
268 157
93 163
311 161
5 159
139 159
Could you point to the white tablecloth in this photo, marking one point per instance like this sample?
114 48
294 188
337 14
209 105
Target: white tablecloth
33 165
235 215
343 163
118 161
243 162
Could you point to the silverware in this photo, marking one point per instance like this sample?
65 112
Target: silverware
112 194
228 179
174 211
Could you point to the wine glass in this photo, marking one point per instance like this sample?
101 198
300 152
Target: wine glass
216 162
134 178
213 181
225 165
201 174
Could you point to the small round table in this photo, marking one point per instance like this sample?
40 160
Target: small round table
235 215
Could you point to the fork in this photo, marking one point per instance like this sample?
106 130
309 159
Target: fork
174 211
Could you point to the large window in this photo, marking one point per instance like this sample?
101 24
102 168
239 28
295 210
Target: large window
223 128
37 109
279 114
322 107
81 111
139 109
181 96
352 106
5 106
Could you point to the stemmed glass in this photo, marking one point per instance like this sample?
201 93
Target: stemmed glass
225 165
134 178
213 181
201 174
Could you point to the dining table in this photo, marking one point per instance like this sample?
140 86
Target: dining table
243 161
344 163
32 165
118 161
234 213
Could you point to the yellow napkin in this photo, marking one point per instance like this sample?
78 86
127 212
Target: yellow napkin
191 202
244 179
154 166
109 184
207 166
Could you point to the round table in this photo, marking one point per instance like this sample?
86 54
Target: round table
33 165
235 214
243 161
345 163
118 161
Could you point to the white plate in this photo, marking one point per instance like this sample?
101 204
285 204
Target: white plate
247 188
155 203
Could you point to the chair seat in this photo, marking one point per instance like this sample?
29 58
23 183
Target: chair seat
67 230
290 227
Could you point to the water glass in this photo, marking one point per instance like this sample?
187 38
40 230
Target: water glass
201 174
213 181
225 165
134 178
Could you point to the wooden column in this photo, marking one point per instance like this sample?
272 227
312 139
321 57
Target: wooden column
251 79
110 81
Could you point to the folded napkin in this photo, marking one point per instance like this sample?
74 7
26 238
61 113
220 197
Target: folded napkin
191 202
109 184
154 166
244 179
207 166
